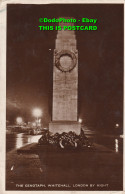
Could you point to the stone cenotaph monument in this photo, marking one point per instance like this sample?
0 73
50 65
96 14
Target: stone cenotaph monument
65 83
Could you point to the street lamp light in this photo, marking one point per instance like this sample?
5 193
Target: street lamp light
117 125
19 120
37 113
80 120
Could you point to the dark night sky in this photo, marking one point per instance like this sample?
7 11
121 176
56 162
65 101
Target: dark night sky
30 62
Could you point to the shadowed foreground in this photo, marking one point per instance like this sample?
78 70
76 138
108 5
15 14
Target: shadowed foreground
38 168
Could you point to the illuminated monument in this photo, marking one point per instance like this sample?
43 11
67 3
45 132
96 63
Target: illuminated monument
65 83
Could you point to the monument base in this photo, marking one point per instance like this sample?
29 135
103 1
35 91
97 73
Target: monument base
64 126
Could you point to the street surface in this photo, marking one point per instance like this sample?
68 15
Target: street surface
102 168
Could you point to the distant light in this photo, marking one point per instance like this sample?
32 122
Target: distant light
39 120
37 112
34 124
19 120
50 49
12 168
117 125
80 120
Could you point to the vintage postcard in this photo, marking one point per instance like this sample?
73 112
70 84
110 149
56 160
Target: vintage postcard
62 78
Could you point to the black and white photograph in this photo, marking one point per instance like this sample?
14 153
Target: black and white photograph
64 97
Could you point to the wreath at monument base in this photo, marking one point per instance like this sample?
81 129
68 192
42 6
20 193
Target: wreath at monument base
66 140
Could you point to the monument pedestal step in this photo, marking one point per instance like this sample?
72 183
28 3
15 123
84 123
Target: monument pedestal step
64 126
